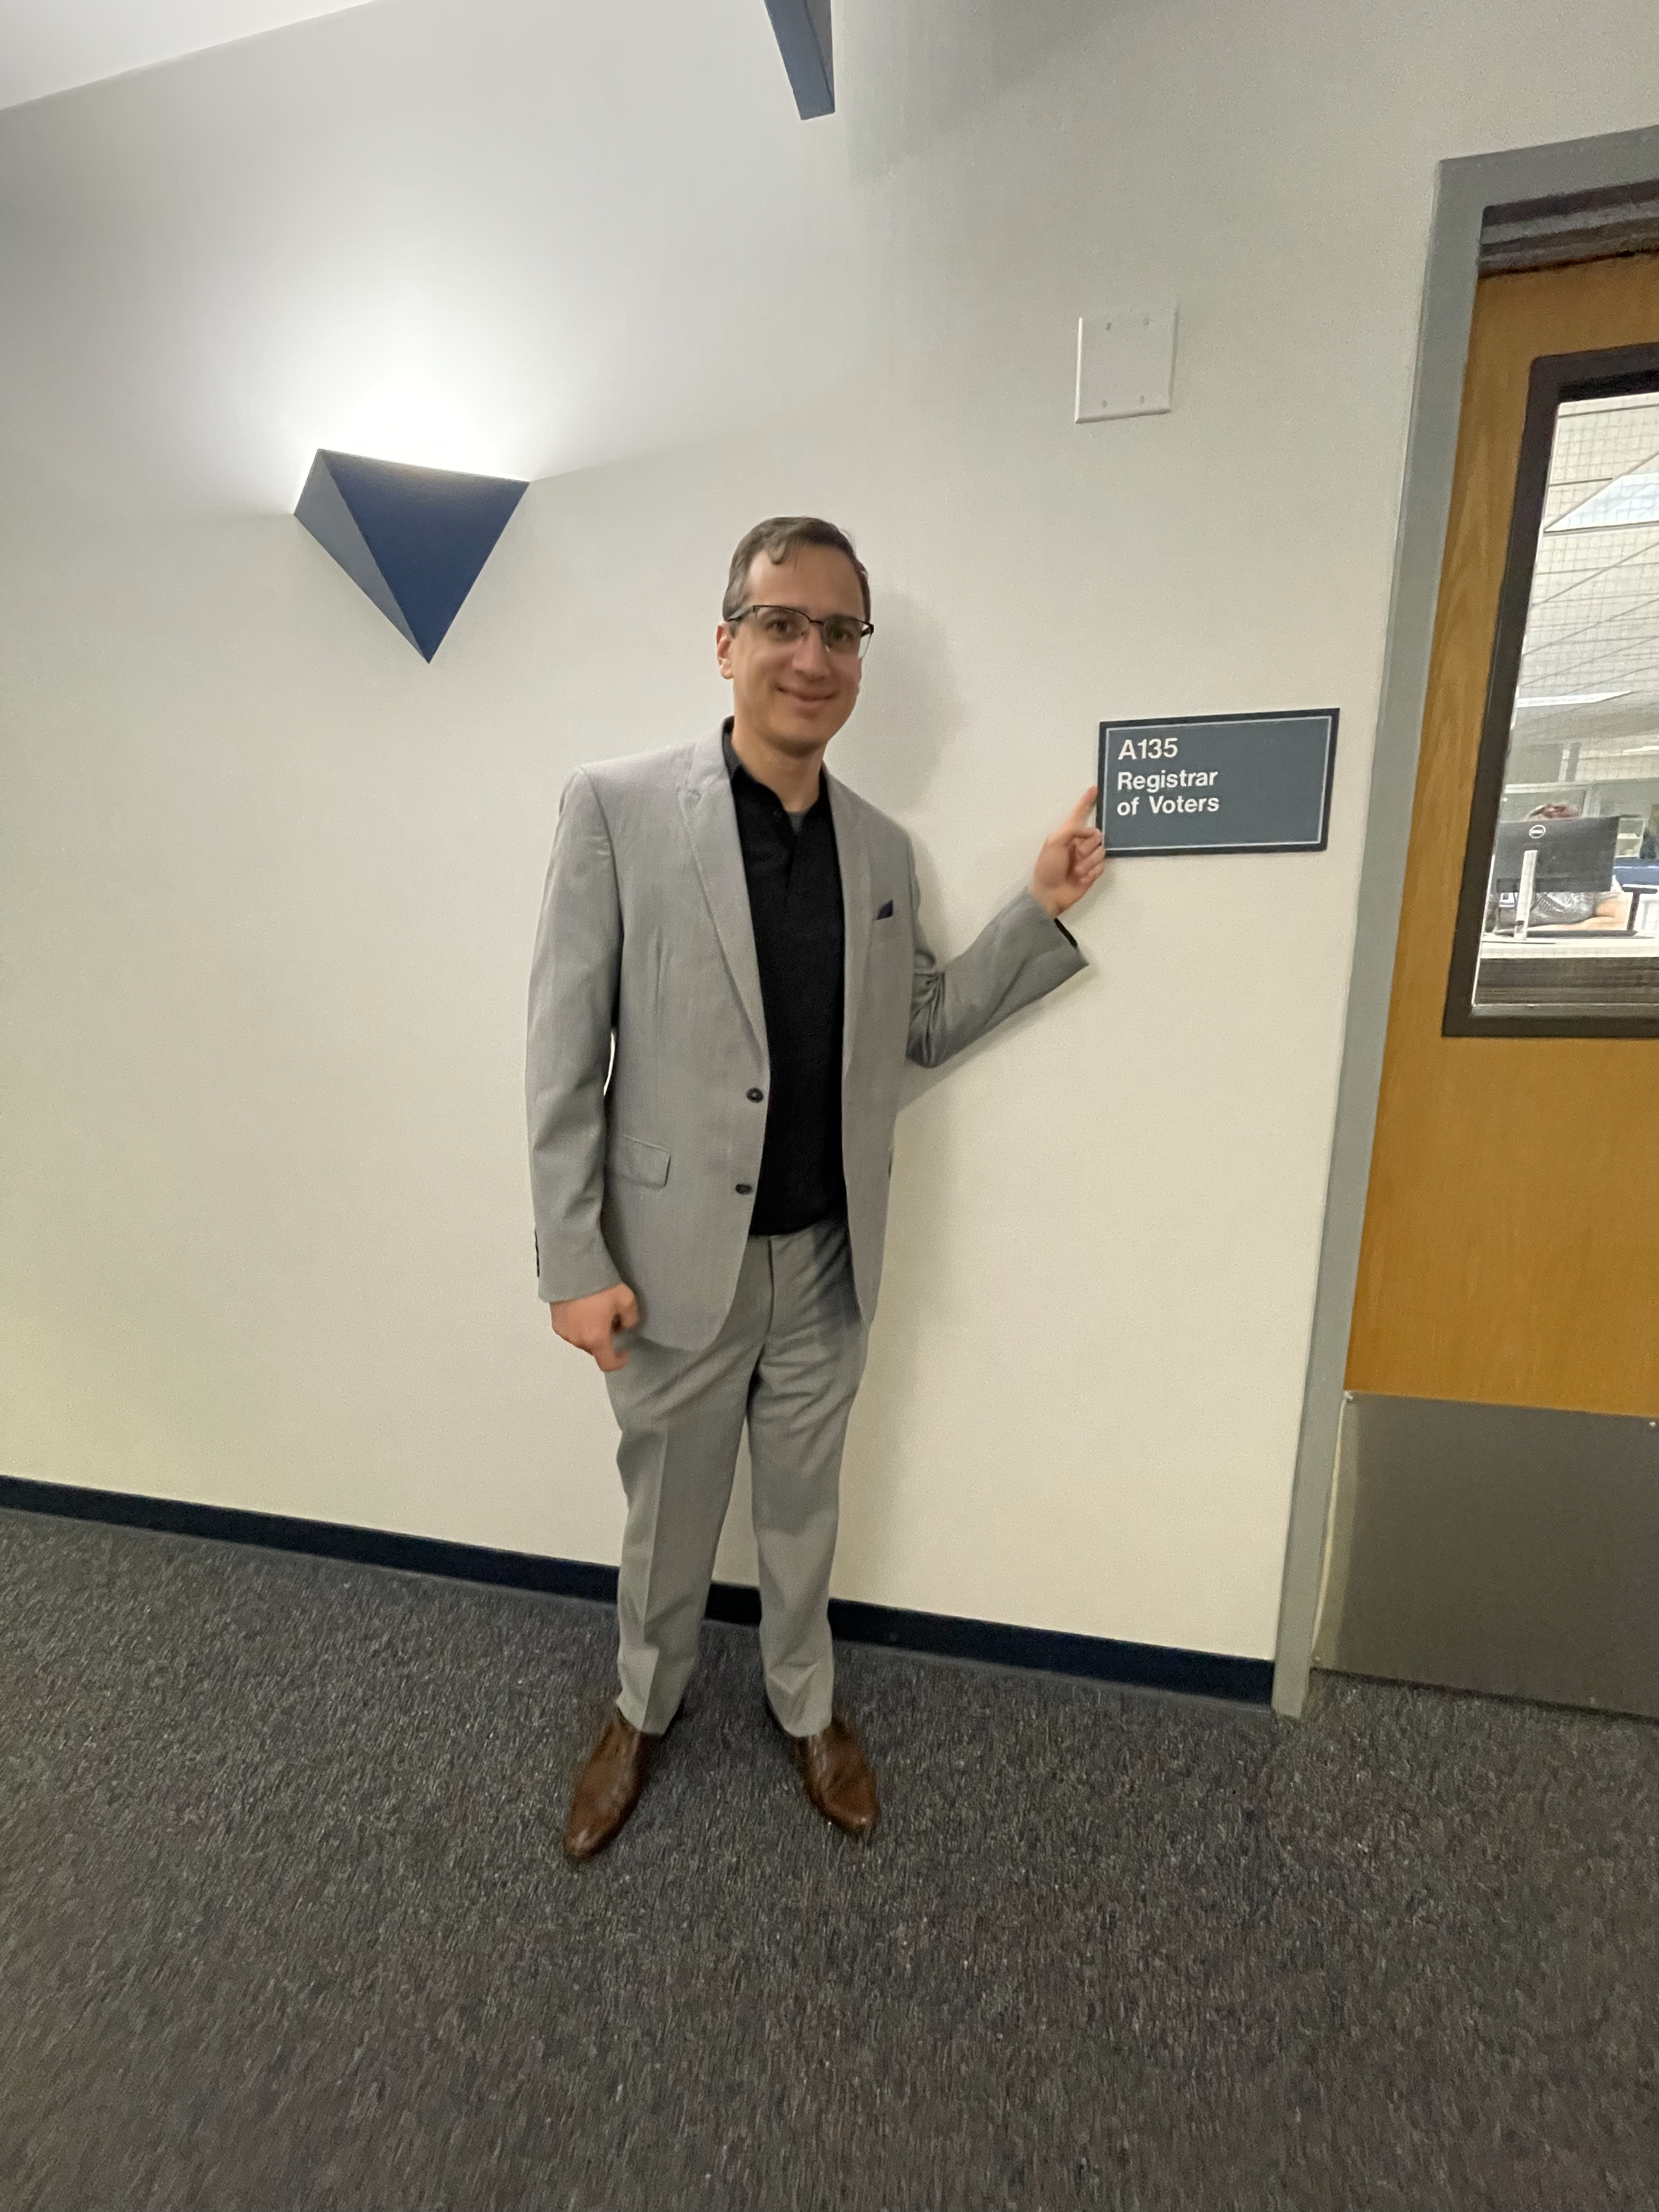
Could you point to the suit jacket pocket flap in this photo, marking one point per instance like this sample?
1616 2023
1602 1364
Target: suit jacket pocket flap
636 1161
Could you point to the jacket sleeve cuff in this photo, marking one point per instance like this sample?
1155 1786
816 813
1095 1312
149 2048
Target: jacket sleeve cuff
562 1272
1044 927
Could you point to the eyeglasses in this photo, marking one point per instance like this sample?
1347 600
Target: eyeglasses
844 635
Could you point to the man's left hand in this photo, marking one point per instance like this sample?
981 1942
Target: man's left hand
1072 858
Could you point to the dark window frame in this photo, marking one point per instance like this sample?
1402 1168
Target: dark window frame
1604 374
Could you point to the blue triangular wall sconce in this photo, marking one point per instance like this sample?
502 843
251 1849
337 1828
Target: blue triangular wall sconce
802 29
415 540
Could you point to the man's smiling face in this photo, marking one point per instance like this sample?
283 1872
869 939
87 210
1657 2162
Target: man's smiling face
794 695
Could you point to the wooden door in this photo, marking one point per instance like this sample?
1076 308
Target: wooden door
1510 1255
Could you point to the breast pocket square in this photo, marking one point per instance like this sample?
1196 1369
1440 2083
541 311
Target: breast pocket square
885 911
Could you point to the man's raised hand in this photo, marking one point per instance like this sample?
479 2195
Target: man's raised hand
1072 858
591 1323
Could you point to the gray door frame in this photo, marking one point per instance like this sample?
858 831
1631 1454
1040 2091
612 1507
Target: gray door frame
1464 189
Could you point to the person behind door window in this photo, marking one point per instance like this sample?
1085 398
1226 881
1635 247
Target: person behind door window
1557 910
729 976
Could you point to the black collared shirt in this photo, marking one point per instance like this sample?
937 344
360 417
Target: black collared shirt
795 903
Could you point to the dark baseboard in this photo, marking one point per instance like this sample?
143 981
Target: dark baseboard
936 1635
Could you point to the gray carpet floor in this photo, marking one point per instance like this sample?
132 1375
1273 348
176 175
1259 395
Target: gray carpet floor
286 1925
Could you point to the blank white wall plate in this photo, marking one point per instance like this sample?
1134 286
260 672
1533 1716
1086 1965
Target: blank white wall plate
1125 363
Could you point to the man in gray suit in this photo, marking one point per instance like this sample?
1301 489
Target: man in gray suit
728 977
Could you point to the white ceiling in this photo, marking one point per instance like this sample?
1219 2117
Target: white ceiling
51 46
1593 622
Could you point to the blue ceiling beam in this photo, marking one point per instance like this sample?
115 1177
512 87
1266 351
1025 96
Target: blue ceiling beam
802 30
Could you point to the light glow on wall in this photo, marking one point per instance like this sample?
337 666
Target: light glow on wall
412 417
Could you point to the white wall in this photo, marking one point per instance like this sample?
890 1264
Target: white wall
269 882
47 46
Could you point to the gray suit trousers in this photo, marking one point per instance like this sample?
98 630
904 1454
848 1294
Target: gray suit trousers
788 1360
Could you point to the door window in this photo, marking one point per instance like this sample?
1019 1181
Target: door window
1559 923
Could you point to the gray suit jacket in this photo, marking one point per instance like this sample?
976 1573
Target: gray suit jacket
646 1034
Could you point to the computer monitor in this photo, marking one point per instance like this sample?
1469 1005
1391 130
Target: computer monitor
1575 855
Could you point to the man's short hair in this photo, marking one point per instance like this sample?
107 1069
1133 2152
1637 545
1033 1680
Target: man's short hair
779 536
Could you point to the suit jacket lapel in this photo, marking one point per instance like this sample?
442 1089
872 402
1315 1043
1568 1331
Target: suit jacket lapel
854 854
711 823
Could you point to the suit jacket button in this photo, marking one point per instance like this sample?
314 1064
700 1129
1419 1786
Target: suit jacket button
754 1097
743 1189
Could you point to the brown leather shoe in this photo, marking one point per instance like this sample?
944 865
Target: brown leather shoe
608 1788
837 1775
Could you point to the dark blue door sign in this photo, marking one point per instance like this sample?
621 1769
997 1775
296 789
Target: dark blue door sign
1218 783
